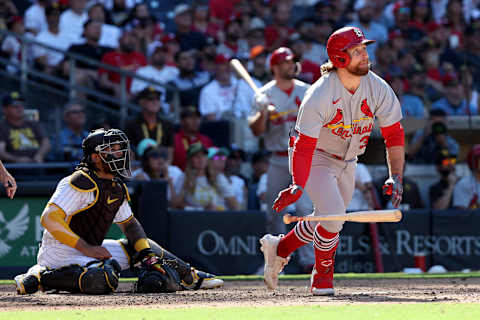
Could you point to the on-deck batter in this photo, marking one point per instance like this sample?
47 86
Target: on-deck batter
334 124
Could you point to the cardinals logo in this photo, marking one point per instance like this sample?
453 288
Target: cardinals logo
366 109
336 120
13 229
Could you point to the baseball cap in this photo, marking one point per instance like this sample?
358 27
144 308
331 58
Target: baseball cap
213 151
144 145
450 80
189 111
152 47
195 148
11 98
148 92
256 23
256 51
180 9
155 152
222 58
169 37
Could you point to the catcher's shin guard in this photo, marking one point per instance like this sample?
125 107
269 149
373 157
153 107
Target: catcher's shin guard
29 282
95 278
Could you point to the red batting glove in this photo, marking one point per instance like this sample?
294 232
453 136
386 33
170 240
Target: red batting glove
394 188
287 197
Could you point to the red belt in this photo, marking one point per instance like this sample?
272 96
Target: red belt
330 154
281 153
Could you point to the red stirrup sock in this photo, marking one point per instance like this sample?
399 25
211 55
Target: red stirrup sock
300 235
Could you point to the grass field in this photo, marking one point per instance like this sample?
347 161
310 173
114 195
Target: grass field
335 309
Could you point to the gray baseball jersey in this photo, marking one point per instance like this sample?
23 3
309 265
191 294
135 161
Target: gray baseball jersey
276 136
343 121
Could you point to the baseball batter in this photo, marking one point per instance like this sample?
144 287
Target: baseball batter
285 93
334 124
75 256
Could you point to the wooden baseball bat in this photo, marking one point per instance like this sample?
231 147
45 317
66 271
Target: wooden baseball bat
357 216
243 73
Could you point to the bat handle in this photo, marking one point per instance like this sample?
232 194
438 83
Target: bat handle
288 218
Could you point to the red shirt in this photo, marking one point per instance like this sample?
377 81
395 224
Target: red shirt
126 61
271 35
181 143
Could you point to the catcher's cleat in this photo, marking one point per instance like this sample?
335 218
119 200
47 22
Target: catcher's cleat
273 263
202 280
26 284
322 283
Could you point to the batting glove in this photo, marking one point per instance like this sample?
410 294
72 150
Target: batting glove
150 261
287 196
393 187
261 101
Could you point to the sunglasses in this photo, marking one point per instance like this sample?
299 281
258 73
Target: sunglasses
219 158
449 161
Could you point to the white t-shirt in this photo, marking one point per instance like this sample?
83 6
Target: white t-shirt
35 18
465 190
174 172
237 187
110 36
164 75
72 25
58 41
70 201
362 176
13 46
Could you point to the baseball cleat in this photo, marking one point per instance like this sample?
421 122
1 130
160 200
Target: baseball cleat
26 284
203 280
321 285
273 263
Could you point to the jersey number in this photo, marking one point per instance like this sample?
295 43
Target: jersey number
364 142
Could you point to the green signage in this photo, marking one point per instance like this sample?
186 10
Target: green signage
21 231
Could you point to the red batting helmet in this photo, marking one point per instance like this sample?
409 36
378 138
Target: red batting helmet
280 55
473 156
341 40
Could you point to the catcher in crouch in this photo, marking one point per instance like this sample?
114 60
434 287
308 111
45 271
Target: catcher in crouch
75 256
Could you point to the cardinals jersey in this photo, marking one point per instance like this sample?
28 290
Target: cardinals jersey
287 105
343 121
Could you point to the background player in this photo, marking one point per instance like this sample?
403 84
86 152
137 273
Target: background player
8 181
74 255
334 124
285 93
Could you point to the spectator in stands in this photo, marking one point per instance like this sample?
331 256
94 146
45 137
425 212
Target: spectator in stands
11 45
219 99
441 193
157 70
315 33
149 124
155 167
35 18
200 189
190 120
202 22
118 10
72 21
466 194
416 79
234 45
235 196
68 145
364 195
309 70
278 33
20 140
411 105
255 34
235 164
233 173
187 38
260 163
125 58
371 29
258 57
454 103
45 59
171 48
189 81
110 34
86 72
428 142
421 15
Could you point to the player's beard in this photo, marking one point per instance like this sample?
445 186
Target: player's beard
359 70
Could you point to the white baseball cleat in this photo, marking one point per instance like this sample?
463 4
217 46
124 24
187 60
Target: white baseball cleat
273 263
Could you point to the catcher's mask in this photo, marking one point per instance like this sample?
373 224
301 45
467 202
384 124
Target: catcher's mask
112 146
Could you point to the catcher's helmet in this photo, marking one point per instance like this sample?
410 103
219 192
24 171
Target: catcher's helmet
473 156
112 146
341 40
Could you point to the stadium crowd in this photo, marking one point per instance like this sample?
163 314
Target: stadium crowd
427 50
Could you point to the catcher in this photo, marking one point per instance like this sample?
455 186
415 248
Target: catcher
74 255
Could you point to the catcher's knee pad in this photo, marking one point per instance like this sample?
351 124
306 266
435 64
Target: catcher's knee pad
95 278
150 281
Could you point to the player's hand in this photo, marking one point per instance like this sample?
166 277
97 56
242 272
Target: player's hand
97 252
151 261
287 197
393 187
9 183
261 100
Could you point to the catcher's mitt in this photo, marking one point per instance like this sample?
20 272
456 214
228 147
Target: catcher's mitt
154 274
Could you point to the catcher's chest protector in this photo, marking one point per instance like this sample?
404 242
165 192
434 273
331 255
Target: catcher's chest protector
93 222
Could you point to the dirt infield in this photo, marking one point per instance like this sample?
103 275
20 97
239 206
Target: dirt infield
253 293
